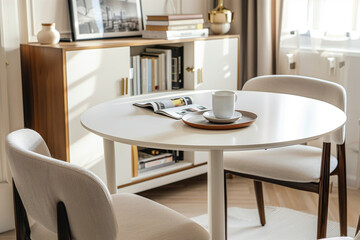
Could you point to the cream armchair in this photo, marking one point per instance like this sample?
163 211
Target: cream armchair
68 202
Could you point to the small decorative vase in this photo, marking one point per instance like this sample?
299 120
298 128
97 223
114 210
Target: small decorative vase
220 19
48 34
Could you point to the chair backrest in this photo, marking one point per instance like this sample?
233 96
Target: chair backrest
43 181
315 88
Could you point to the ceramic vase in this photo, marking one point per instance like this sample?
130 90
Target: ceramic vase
220 19
48 34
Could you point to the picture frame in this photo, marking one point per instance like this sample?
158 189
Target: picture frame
98 19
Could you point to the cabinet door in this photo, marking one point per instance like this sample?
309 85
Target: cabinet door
214 64
210 64
95 76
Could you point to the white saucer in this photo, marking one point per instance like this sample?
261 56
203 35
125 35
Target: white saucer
209 115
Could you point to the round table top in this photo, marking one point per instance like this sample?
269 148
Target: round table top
282 120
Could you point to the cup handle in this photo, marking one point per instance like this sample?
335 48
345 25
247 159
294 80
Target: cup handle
235 97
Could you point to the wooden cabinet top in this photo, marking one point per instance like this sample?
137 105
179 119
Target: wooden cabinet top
122 42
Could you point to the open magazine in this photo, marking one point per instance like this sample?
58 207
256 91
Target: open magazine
175 107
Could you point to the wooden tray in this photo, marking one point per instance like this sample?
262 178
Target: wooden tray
197 120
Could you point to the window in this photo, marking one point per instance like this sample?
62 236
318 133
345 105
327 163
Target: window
322 23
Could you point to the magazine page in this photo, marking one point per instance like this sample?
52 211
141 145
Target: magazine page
179 112
175 107
166 103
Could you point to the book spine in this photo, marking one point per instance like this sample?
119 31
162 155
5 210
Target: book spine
160 72
174 72
144 75
202 35
181 69
133 65
176 34
174 28
138 73
163 73
168 71
186 32
157 162
162 162
150 75
155 74
175 22
174 17
131 76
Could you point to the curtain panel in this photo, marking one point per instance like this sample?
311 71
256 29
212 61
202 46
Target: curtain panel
257 23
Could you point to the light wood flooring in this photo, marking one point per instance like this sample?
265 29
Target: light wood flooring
189 197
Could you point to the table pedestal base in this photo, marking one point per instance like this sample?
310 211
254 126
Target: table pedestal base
109 155
216 195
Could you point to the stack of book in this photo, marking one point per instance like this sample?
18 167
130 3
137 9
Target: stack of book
176 26
158 68
152 158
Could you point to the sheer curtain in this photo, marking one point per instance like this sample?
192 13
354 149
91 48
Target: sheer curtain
322 23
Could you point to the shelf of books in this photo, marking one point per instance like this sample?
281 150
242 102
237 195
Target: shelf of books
148 162
156 68
151 163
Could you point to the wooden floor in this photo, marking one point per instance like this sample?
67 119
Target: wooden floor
189 197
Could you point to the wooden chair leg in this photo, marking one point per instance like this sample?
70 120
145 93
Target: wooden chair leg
63 222
342 191
260 201
225 204
324 191
22 227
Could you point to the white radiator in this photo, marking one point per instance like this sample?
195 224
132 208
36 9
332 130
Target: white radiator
339 67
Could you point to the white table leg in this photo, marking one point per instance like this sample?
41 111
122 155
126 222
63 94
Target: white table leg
216 195
109 154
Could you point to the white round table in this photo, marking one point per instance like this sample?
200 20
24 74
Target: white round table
282 120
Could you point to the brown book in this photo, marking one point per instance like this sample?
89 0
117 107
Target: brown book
174 28
173 17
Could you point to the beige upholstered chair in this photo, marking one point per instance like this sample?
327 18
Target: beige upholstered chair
301 167
68 202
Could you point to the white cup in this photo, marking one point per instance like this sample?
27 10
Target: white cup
223 104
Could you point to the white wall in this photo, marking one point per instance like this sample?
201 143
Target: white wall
41 11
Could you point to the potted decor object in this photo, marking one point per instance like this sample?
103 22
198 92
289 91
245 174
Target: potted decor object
220 19
48 34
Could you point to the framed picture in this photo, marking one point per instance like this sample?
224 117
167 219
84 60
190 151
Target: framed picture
96 19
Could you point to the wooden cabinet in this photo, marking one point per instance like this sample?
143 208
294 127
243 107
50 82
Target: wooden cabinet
61 81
